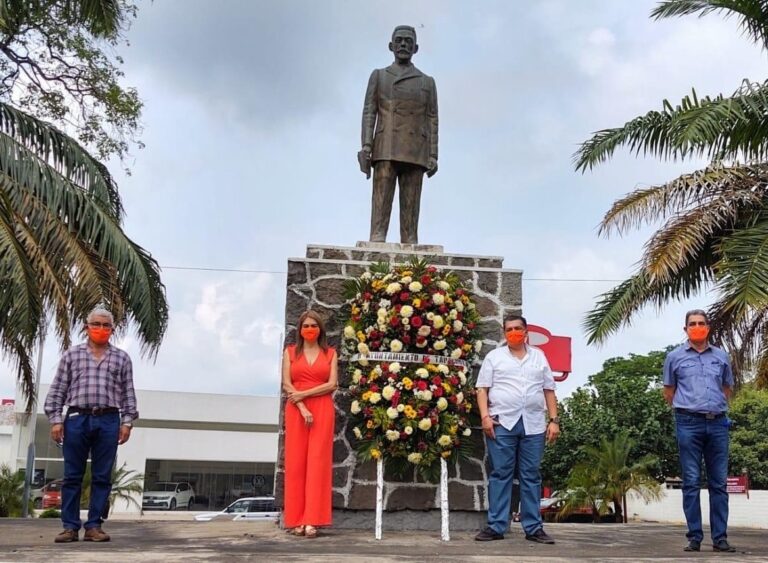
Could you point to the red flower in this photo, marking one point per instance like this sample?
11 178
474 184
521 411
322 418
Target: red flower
367 296
459 341
422 447
443 309
460 292
421 385
420 339
394 321
438 392
470 325
406 339
454 380
404 295
395 398
416 321
437 381
431 269
363 380
375 388
426 280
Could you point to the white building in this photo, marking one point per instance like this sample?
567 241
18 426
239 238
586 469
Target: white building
225 446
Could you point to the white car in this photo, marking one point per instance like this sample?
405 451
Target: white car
249 508
168 496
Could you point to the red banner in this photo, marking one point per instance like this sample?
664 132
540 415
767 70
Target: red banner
738 485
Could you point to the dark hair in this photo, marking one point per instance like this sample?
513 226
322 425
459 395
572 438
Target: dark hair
404 28
322 340
513 317
693 312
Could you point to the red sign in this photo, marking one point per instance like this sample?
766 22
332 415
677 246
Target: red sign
557 349
7 402
738 485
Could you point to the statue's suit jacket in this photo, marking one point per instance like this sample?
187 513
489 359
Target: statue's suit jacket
400 116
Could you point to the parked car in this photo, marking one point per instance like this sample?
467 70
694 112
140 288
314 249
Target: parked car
169 495
249 508
51 495
550 510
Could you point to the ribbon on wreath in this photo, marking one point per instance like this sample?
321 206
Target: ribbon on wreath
409 358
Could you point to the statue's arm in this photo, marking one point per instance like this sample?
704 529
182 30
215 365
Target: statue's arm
370 109
432 118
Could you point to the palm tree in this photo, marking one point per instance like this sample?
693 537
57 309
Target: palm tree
125 484
11 491
607 475
715 231
62 247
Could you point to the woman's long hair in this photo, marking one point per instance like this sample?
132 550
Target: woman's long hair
322 340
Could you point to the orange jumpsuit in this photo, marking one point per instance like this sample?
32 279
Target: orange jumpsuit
309 449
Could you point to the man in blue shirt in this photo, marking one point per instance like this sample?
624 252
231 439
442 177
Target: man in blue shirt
697 382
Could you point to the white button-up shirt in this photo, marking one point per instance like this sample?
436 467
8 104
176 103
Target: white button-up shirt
516 387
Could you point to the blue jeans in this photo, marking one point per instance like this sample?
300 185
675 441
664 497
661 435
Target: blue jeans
86 434
697 438
511 447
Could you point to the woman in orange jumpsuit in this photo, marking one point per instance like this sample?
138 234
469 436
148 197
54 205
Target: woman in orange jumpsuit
309 378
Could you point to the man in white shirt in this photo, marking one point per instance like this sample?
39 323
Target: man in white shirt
515 392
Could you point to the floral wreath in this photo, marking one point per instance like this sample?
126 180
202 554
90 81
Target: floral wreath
410 341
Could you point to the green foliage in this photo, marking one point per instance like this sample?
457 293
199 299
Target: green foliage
57 61
749 436
624 397
716 219
11 492
125 484
50 513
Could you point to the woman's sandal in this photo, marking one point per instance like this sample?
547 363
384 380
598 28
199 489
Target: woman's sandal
299 531
311 532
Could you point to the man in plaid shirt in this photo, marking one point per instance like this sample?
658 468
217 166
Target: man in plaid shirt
95 383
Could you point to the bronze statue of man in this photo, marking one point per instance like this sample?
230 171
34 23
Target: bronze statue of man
399 137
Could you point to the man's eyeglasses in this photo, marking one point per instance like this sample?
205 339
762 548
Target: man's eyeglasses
108 326
515 329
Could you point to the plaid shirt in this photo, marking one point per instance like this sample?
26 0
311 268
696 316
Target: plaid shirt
82 382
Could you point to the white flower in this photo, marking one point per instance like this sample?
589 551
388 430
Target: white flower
414 458
458 305
444 285
349 333
439 344
478 345
366 306
387 392
405 321
462 378
357 433
444 440
392 435
395 367
415 286
395 346
382 313
385 304
356 376
375 398
438 298
422 372
442 404
437 321
365 276
425 395
457 326
425 424
355 407
393 288
406 279
459 398
424 330
408 430
444 369
400 407
362 347
453 315
363 362
467 432
392 413
421 344
456 354
471 307
406 311
387 277
430 316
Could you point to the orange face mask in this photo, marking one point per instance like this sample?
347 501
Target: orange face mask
515 337
99 335
310 333
698 333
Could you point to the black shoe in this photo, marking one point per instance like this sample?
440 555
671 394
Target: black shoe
540 536
724 546
489 534
693 545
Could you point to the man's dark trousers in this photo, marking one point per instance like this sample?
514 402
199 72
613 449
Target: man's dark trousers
409 177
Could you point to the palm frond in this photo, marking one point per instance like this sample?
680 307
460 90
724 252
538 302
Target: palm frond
752 14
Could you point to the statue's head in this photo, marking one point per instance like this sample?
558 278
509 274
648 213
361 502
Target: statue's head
403 43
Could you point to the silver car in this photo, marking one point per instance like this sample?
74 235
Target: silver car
249 508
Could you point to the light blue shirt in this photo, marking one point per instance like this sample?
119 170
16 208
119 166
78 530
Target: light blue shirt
699 378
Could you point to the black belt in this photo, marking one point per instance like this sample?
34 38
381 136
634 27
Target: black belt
707 415
95 411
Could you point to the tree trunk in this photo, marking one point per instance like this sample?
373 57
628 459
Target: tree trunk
624 499
618 512
595 514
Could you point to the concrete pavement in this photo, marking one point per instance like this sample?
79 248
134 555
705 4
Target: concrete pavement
171 541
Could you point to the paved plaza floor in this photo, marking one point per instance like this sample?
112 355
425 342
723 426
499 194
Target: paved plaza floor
171 541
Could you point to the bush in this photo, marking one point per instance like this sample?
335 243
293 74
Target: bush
50 513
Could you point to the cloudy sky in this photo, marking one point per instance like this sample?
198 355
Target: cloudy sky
252 117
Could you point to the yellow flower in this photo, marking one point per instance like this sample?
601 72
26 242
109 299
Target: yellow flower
355 310
406 273
409 411
407 383
444 440
464 299
369 424
361 336
366 395
446 454
432 367
448 300
417 303
453 429
375 453
467 347
377 285
447 387
468 406
447 330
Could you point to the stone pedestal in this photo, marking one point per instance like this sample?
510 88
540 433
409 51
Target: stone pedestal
316 282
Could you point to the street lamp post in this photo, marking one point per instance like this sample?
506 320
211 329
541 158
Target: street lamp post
30 467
